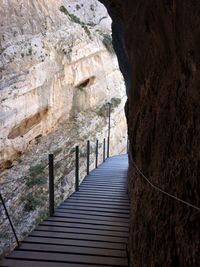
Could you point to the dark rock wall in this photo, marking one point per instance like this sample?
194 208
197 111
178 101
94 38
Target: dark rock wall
163 43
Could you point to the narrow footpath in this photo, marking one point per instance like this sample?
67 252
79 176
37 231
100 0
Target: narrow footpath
90 228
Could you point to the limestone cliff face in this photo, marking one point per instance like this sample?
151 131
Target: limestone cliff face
51 67
162 41
58 71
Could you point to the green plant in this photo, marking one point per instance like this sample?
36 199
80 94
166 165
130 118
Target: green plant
57 151
73 18
36 169
73 150
30 51
36 176
103 110
76 20
77 7
31 181
92 8
115 102
31 202
86 30
107 41
44 214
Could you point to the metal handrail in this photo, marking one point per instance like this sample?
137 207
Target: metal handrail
109 113
51 172
97 153
88 157
77 169
51 184
9 219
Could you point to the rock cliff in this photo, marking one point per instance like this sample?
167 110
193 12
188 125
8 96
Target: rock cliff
58 71
162 42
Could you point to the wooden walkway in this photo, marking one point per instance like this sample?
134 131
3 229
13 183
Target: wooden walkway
88 229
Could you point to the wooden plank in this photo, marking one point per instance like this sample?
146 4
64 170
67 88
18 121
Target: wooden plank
103 197
94 208
117 184
106 180
97 203
101 173
100 198
49 232
55 228
73 250
72 242
92 212
92 217
104 193
99 191
69 258
101 187
62 222
88 221
106 176
108 188
94 201
33 263
115 195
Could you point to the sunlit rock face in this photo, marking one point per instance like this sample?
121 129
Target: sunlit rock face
90 12
51 67
162 41
57 72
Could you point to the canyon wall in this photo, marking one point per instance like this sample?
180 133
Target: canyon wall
58 71
162 42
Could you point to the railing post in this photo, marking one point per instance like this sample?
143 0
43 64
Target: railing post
9 219
108 145
51 184
127 145
104 150
88 157
97 152
77 169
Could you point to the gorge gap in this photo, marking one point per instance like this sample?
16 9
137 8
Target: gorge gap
162 43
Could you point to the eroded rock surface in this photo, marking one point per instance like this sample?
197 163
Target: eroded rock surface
162 41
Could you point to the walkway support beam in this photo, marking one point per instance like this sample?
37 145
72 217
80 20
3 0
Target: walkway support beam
97 153
88 157
77 169
51 184
108 146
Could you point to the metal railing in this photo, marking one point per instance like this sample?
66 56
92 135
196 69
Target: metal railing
77 168
51 172
9 219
